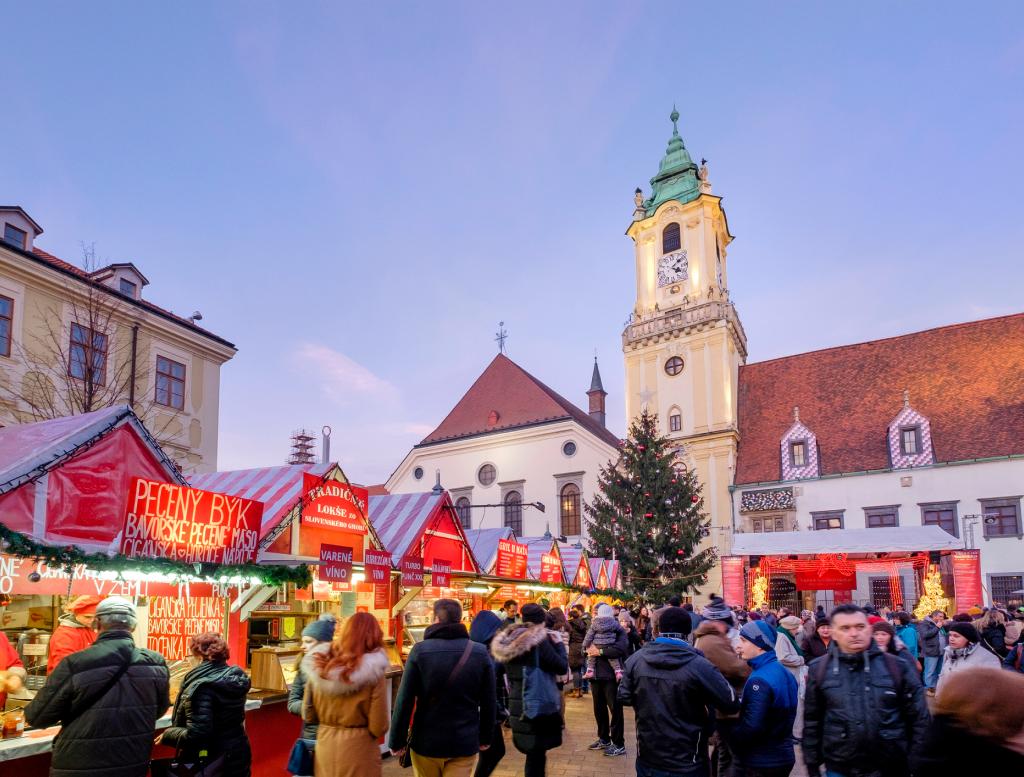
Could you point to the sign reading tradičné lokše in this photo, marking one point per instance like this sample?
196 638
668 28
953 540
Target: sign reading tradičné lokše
163 520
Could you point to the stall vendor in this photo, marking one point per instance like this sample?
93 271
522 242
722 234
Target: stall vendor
12 671
75 630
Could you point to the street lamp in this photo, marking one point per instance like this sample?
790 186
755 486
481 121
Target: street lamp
970 521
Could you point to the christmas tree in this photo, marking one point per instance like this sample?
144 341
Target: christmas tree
649 511
933 598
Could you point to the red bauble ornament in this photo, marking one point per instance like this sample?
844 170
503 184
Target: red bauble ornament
679 552
695 499
648 515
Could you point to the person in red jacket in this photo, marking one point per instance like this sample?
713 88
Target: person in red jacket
12 671
75 631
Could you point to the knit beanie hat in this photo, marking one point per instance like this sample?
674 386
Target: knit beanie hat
320 630
754 615
883 626
674 620
760 633
605 611
821 621
534 613
717 610
965 630
790 622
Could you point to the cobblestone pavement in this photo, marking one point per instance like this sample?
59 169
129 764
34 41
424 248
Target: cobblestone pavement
572 759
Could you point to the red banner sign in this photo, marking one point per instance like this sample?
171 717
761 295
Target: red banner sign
826 580
511 562
412 571
732 580
967 579
378 565
441 573
550 568
335 564
163 520
335 505
173 620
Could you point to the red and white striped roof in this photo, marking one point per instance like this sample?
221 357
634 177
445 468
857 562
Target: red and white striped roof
399 519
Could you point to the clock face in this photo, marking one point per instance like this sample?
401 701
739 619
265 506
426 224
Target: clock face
672 268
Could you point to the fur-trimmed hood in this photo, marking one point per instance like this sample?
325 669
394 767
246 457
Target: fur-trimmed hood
369 672
516 640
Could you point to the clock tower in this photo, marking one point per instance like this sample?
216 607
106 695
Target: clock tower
684 343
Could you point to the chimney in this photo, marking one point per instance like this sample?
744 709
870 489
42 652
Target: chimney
596 396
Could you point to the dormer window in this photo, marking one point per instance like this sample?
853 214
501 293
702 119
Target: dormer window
129 288
670 239
798 453
910 440
15 237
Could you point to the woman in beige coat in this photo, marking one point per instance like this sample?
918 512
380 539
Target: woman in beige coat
345 694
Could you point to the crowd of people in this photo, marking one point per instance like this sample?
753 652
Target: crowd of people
716 692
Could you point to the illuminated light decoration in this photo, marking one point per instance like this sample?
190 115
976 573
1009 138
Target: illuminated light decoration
933 598
477 589
648 515
759 591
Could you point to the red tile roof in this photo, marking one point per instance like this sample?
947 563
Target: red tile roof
519 400
967 379
70 269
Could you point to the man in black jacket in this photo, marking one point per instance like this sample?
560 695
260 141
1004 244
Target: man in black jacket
107 699
932 640
603 688
450 681
864 710
673 690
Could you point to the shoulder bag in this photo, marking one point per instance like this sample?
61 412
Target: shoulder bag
84 706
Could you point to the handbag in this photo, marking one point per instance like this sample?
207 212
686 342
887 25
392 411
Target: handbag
300 761
405 759
202 767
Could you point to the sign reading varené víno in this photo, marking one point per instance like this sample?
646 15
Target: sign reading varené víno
163 520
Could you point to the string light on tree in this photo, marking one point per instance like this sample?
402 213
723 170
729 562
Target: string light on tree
933 598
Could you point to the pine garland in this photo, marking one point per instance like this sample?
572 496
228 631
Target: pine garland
68 557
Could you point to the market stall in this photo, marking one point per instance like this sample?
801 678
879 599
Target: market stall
428 546
504 560
82 503
544 565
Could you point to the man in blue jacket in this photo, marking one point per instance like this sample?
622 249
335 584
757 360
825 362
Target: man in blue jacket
761 739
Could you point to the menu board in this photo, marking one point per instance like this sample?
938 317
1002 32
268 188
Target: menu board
511 561
174 620
550 568
412 571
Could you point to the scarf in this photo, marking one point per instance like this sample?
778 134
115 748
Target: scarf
792 639
959 654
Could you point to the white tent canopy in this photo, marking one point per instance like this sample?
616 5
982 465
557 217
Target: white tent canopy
899 539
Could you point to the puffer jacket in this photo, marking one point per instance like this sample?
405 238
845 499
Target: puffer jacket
298 689
859 717
762 736
533 661
209 715
672 687
114 736
577 633
452 718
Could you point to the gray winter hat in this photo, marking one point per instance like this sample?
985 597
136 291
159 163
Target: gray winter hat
717 610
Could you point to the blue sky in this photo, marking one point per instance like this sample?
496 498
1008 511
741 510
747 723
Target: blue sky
356 194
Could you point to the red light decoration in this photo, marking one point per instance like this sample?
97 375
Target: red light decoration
648 515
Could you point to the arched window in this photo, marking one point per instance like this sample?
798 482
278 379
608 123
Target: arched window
514 512
570 508
463 511
670 240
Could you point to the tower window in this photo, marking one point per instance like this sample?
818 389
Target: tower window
670 240
514 512
798 453
675 422
486 474
674 366
910 440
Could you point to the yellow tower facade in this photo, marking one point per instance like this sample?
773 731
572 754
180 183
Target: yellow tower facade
684 343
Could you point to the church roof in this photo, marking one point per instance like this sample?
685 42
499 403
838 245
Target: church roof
595 379
677 173
505 397
966 379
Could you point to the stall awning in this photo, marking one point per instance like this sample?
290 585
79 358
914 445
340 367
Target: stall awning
279 488
576 565
484 544
897 539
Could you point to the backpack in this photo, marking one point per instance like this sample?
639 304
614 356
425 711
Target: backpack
892 664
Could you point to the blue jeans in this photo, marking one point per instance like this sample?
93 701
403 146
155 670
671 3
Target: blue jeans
642 770
932 667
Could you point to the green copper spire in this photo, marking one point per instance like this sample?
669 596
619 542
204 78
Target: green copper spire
677 173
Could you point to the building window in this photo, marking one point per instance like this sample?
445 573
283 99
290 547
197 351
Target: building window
418 473
675 422
170 383
1003 587
822 521
569 448
674 366
88 354
15 237
1001 517
6 325
670 240
769 524
462 509
910 440
798 453
942 515
486 474
570 508
514 512
128 288
882 517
